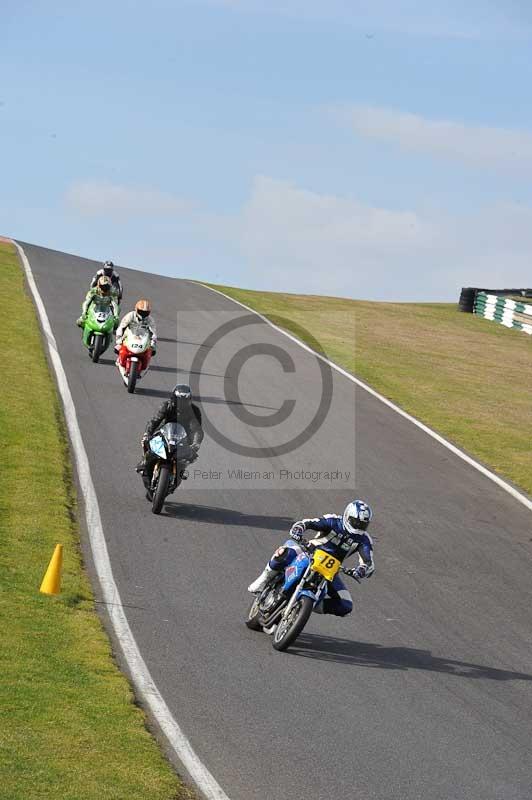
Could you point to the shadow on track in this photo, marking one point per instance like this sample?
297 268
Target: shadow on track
180 341
226 516
224 401
165 393
160 368
203 399
367 654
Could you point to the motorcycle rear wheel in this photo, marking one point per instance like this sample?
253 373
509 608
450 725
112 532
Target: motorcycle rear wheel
288 630
161 490
98 348
253 615
132 379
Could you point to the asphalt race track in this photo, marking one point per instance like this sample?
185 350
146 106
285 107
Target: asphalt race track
425 691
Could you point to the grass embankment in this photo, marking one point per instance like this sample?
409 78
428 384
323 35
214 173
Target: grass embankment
468 378
68 727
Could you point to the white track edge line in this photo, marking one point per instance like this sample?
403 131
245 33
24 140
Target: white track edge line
457 452
142 680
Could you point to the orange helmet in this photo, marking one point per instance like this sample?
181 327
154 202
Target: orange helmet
143 308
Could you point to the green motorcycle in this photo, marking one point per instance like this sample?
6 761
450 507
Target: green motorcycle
99 326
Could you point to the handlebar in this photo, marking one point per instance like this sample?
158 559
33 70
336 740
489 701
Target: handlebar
348 573
308 547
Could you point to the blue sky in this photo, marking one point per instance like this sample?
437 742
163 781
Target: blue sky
380 149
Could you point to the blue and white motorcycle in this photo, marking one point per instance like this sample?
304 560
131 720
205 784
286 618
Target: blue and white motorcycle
171 451
288 601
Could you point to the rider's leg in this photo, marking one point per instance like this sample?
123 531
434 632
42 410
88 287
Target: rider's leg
145 359
282 557
338 600
122 355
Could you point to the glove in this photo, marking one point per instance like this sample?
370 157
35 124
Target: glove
296 532
357 573
80 322
144 441
153 352
117 348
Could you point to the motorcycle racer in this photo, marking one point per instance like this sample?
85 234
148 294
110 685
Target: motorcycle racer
339 535
108 269
140 316
178 408
101 294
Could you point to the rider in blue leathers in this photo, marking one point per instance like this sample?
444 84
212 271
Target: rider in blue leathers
339 535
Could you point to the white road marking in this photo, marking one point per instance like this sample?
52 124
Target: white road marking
457 452
142 680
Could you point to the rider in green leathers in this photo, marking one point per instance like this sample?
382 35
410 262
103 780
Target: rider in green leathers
101 294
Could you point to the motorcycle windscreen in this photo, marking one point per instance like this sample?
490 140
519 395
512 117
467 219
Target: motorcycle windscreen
139 331
174 433
100 315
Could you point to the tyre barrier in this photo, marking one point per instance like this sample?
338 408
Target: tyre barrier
510 313
467 299
469 294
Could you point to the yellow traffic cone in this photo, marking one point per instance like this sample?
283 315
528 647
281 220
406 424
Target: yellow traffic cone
51 583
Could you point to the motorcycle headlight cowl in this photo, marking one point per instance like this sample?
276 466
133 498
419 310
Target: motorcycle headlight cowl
157 446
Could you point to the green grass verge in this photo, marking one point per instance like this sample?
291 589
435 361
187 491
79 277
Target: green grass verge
69 729
468 378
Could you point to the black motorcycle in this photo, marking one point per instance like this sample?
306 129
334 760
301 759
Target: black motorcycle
171 448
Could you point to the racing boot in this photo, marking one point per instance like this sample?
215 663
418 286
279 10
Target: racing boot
265 577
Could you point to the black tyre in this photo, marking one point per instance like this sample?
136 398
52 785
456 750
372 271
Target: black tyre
289 629
132 379
161 490
98 348
253 615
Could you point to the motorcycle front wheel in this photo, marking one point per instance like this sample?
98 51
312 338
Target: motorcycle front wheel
98 348
289 628
161 489
132 379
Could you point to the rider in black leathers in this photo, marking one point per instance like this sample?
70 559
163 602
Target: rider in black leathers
178 408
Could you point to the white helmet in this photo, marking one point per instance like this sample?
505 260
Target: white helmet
357 516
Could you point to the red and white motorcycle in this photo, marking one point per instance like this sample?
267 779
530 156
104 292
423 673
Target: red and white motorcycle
134 356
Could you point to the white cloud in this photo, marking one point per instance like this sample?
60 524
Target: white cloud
289 238
104 199
475 145
301 241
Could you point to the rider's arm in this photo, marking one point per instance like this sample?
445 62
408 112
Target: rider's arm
119 286
158 418
95 279
122 327
195 430
323 524
153 332
88 300
365 556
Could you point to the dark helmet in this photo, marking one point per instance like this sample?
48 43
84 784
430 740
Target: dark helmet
181 396
108 268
